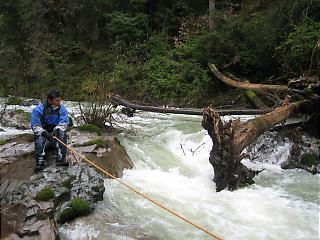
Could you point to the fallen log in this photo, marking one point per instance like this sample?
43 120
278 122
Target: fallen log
229 140
246 85
188 111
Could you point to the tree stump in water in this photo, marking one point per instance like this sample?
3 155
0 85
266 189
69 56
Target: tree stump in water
230 139
229 172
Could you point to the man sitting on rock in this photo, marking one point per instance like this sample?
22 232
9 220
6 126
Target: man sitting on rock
50 119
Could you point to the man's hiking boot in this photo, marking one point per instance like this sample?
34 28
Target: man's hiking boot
39 168
62 163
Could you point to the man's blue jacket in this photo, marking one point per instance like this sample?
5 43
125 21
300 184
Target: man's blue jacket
45 117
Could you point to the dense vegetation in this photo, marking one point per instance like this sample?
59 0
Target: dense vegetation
153 50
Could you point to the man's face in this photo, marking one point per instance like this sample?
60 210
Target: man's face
55 102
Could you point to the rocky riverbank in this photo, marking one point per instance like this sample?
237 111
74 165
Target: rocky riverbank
34 205
289 148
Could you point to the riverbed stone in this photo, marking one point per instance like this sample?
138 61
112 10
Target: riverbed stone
277 147
32 216
16 118
30 102
105 151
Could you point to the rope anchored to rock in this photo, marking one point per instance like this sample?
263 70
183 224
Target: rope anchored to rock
215 236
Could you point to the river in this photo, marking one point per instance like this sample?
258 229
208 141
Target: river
170 155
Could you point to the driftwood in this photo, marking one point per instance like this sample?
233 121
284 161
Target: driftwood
246 85
229 140
188 111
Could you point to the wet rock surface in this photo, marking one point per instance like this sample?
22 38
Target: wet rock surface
105 151
67 183
16 162
287 149
17 118
74 190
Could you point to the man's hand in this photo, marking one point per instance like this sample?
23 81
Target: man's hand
47 135
56 132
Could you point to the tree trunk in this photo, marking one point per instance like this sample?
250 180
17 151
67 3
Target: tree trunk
212 7
246 85
231 138
188 111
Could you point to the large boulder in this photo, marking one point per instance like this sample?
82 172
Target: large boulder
16 162
105 151
63 192
289 149
60 193
16 118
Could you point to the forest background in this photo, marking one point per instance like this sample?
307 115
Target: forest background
154 50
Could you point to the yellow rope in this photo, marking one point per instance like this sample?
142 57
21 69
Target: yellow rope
140 193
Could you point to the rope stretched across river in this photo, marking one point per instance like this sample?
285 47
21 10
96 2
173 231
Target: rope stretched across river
215 236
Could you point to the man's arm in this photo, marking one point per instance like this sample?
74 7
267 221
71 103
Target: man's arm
36 115
64 119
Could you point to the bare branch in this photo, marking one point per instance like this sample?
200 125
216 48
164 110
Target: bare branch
246 85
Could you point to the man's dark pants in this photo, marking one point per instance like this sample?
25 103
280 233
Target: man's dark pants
60 149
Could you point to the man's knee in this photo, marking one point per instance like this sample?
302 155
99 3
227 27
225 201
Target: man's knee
62 136
39 141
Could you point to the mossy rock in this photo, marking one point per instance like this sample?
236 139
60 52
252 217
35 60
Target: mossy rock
19 111
4 141
27 137
28 116
309 159
45 195
14 101
91 128
75 208
98 142
68 183
99 193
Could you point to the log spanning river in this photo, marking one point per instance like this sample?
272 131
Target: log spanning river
171 153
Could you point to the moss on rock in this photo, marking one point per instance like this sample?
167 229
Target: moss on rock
14 101
68 183
45 194
4 141
28 116
90 128
26 137
309 159
19 111
98 142
76 208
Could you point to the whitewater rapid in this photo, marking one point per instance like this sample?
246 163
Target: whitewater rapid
170 155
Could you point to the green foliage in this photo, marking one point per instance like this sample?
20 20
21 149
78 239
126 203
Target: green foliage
162 78
77 207
90 128
125 77
294 52
157 45
154 49
45 195
127 28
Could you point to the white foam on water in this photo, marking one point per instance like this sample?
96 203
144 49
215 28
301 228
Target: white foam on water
283 204
80 229
252 213
10 132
